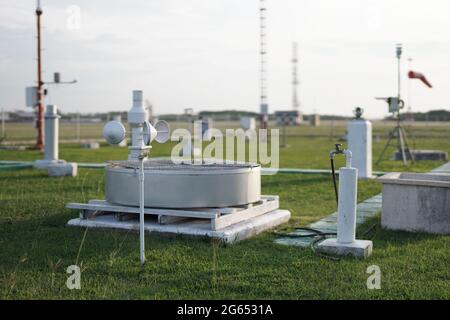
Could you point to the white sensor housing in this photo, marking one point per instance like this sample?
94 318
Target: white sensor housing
114 132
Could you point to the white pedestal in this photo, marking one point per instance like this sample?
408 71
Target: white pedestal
63 169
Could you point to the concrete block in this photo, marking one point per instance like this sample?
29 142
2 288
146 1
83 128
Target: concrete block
359 248
416 202
63 169
44 164
90 145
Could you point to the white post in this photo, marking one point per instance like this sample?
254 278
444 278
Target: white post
137 116
141 210
78 127
3 122
51 149
345 243
348 178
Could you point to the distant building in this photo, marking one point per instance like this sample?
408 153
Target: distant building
4 116
288 118
314 120
22 116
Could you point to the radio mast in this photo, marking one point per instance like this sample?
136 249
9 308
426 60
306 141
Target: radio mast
264 107
40 83
295 101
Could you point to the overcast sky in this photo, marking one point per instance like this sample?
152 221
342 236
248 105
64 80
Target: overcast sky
204 53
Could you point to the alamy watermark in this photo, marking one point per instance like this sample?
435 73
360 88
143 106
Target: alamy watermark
374 280
74 280
73 21
235 146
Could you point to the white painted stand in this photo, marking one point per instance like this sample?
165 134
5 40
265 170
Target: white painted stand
200 228
219 218
345 243
229 224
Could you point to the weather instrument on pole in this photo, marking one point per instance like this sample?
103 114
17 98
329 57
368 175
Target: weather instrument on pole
142 135
396 104
35 95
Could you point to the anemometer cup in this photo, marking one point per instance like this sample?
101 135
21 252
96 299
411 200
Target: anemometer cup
114 132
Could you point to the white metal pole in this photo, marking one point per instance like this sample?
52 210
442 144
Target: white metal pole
3 122
141 209
409 87
78 127
348 178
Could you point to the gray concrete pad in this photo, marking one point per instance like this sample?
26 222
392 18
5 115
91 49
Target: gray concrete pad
359 248
69 169
44 164
192 227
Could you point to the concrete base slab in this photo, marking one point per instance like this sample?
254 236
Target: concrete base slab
190 227
359 248
44 164
63 169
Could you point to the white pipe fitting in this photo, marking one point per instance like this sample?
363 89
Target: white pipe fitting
348 158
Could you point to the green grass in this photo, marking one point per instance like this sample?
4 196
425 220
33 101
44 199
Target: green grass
36 247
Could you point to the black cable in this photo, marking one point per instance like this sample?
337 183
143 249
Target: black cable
334 180
316 234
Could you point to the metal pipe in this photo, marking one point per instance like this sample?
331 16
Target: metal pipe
40 83
348 158
141 210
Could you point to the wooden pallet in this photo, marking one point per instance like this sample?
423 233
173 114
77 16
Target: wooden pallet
220 217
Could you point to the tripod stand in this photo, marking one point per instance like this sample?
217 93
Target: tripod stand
395 105
399 134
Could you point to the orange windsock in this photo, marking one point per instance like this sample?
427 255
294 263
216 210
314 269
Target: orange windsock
420 76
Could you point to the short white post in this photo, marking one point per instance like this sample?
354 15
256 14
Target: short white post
51 150
345 243
348 178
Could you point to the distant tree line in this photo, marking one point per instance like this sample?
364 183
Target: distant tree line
226 115
433 115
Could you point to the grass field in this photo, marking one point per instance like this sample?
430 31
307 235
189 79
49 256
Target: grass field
36 247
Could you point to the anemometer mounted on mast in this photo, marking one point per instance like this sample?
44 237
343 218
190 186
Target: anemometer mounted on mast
395 105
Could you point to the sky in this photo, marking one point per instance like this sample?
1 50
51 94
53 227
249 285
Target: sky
204 54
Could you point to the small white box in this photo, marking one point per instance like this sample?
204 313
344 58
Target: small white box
30 96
